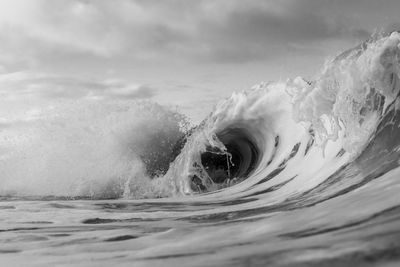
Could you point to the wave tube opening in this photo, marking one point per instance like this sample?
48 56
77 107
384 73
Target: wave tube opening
232 165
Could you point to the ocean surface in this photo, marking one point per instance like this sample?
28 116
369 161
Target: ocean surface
295 173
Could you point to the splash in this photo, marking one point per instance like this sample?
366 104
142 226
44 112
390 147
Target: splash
89 149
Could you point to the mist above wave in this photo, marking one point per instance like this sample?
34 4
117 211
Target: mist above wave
87 148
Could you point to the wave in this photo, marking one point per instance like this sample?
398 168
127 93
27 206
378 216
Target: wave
297 135
280 141
295 173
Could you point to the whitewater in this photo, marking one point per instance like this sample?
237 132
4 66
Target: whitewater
294 173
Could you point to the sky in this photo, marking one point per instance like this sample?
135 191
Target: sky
186 54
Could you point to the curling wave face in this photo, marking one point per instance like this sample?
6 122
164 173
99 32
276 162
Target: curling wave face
292 173
299 126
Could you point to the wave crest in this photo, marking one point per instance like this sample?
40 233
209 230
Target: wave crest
276 126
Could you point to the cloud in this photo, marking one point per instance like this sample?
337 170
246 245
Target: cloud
258 31
4 125
48 48
64 32
129 92
25 84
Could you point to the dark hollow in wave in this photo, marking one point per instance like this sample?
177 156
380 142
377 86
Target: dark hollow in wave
244 156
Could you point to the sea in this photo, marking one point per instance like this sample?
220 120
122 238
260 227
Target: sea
291 173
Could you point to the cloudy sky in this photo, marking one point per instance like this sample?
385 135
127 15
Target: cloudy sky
186 53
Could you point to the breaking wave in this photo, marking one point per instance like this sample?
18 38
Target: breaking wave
298 135
294 136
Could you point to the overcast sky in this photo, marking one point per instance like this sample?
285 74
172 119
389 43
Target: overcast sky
189 53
